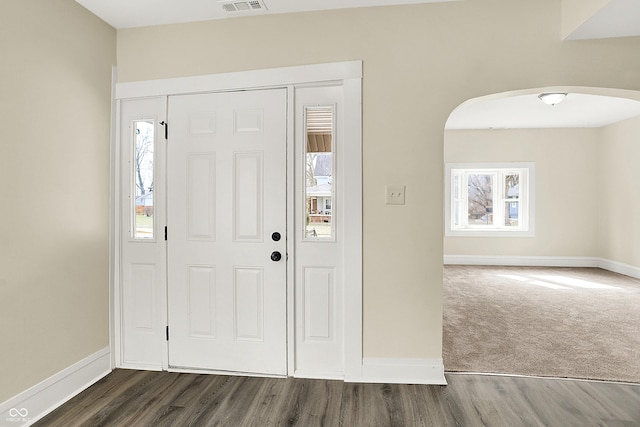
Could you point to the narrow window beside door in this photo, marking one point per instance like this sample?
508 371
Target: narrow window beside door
319 173
143 175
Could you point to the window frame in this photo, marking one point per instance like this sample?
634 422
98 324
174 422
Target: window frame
153 121
306 237
526 227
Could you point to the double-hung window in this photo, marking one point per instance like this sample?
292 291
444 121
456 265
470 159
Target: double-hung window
489 199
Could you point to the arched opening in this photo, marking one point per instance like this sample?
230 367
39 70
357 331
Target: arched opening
545 279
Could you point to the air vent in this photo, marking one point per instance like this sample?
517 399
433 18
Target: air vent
243 6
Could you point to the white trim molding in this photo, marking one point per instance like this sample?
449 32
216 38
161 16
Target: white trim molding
34 403
270 77
619 267
353 213
544 261
524 261
527 200
403 371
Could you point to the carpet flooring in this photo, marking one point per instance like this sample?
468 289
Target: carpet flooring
556 322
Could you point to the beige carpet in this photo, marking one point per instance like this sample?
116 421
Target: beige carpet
559 322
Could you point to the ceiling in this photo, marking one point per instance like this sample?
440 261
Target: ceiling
140 13
616 18
527 111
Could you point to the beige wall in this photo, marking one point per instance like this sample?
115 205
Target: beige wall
619 191
587 190
420 62
566 181
54 188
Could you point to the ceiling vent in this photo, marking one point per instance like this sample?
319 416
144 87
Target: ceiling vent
234 7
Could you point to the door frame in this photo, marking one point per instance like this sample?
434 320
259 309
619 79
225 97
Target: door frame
346 74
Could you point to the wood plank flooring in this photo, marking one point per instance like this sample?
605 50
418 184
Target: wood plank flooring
144 398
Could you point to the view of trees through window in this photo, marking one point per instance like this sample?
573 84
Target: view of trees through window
143 177
480 189
481 199
487 198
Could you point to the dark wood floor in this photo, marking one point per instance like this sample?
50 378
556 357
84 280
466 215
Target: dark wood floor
143 398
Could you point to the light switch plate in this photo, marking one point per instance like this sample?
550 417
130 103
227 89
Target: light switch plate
394 194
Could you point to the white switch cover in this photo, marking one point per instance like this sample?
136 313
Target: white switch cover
394 195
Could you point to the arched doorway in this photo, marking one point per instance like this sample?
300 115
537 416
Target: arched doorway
528 305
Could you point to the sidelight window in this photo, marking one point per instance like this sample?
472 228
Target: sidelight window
143 177
319 173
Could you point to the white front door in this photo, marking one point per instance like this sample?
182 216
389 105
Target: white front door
226 217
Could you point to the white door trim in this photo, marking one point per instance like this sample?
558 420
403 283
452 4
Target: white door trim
353 366
349 74
272 77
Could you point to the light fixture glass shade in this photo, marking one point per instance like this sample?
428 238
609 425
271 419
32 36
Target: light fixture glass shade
552 98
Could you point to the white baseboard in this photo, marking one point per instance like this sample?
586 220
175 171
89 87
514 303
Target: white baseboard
403 371
528 261
34 403
618 267
540 261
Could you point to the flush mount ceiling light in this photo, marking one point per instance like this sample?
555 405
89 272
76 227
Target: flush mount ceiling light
552 98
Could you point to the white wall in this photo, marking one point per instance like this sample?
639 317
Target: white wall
419 63
619 192
577 12
566 182
55 95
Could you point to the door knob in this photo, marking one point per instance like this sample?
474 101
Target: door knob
276 256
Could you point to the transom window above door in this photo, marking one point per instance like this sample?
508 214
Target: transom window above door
489 199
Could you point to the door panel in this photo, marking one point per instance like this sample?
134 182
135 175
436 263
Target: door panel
320 232
202 301
319 290
248 287
247 195
226 196
142 263
201 197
